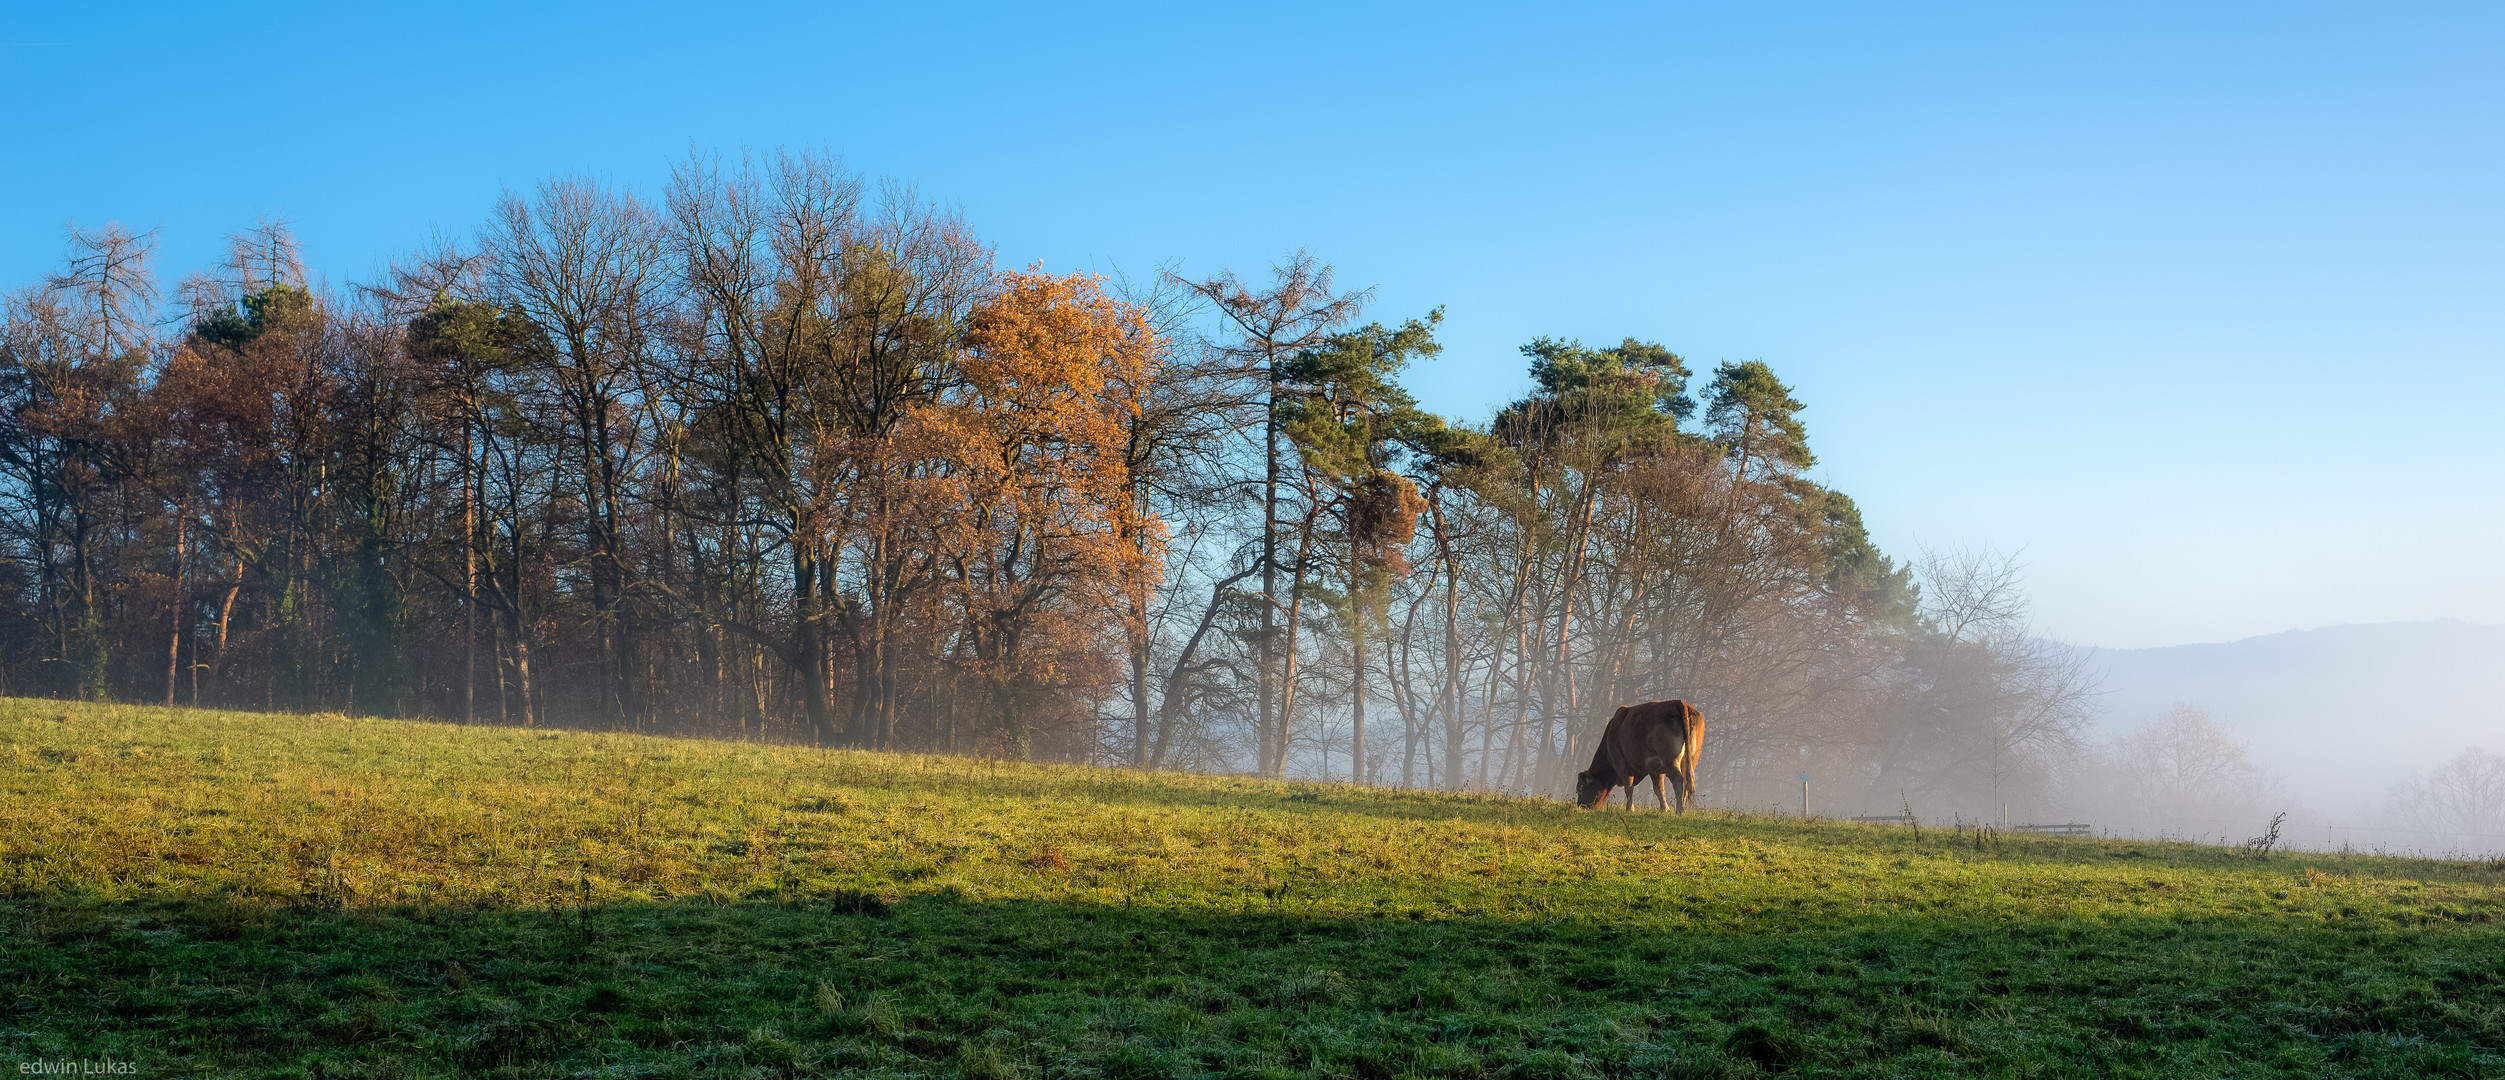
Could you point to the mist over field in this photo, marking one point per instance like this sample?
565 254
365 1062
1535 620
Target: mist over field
904 542
2333 718
229 893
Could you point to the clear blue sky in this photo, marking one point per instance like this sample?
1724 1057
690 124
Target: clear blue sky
2199 309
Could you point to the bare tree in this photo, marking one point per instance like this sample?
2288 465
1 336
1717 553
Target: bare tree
107 282
717 466
1179 447
2461 801
1973 595
1296 312
583 263
2182 771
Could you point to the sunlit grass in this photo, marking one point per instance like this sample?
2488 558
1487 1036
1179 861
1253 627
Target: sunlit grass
233 891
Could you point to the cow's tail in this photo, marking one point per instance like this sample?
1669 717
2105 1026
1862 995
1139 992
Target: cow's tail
1695 718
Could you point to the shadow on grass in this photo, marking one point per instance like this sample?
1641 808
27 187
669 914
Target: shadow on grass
853 984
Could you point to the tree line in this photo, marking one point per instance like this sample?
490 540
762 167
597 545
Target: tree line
782 454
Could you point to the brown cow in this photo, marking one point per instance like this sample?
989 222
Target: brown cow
1656 739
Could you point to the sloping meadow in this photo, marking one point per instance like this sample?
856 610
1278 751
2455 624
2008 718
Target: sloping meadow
248 894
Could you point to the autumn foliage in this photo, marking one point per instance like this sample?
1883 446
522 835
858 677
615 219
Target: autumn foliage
781 455
1046 537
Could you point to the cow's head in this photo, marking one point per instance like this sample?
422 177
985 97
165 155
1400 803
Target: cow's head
1591 786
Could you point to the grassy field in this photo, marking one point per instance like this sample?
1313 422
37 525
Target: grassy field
205 893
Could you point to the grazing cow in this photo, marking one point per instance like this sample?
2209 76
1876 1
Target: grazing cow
1656 739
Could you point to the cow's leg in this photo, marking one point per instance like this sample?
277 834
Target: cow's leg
1630 794
1659 795
1679 784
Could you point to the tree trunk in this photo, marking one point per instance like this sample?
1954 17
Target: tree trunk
225 615
1561 694
504 703
1452 649
808 645
469 565
1357 665
531 710
174 637
1271 739
1138 630
1295 620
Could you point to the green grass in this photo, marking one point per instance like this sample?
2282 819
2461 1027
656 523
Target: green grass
239 894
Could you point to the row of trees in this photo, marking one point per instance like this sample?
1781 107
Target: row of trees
2458 805
2183 776
782 455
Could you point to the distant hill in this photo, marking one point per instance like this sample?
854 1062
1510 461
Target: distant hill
2339 713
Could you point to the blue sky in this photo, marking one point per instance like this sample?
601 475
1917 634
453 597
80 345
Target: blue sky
2198 309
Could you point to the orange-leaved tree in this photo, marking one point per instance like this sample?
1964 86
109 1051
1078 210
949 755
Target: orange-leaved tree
1050 541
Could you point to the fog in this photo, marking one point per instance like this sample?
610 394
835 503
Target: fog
2333 719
